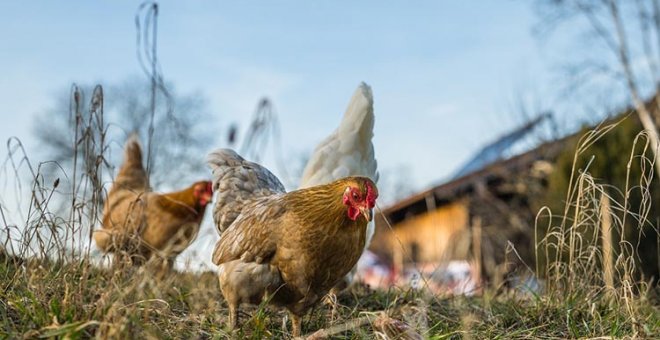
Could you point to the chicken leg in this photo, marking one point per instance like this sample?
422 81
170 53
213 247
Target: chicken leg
233 316
296 324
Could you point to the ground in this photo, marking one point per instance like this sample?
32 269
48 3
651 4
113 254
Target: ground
42 299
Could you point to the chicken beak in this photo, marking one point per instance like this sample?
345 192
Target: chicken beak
206 198
367 213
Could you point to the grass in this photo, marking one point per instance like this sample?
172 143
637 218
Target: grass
52 287
42 299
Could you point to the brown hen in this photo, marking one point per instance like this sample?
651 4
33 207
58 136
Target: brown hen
143 224
292 246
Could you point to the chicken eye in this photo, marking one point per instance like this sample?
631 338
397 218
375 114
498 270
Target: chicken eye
355 196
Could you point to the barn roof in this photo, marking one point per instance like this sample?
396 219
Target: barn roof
506 146
447 192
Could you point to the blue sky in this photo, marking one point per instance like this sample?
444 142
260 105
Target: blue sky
444 74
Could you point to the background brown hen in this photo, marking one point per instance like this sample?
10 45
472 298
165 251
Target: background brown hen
143 224
293 246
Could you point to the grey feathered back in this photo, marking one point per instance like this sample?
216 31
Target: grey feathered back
236 182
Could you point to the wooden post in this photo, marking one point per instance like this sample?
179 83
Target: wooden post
476 247
397 261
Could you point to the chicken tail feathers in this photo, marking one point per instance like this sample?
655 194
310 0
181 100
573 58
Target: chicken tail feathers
359 115
236 181
133 150
132 174
348 151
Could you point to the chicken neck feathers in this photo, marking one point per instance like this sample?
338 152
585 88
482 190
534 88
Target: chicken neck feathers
180 203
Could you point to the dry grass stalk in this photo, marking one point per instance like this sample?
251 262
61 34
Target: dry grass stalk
606 234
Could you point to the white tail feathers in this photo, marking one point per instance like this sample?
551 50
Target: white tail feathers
348 151
359 115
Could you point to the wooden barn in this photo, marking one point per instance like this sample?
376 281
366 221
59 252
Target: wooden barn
473 215
486 213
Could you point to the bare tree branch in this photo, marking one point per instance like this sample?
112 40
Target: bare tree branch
656 21
644 115
589 12
645 27
606 19
181 133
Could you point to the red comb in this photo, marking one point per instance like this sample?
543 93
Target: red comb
371 195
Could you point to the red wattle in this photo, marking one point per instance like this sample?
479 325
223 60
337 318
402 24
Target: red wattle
353 213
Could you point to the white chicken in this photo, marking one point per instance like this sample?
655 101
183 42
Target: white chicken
348 151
